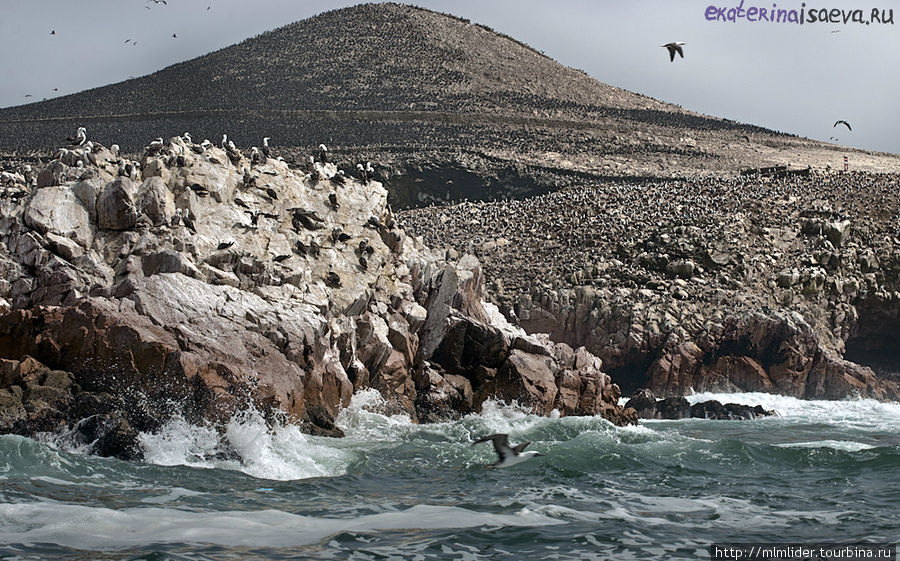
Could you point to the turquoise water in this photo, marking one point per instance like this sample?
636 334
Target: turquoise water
819 472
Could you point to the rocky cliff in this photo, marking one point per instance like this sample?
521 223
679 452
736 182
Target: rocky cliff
788 285
201 281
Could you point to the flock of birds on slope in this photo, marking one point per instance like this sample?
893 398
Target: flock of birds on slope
673 47
83 151
507 455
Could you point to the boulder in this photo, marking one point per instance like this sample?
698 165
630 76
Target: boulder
155 201
58 210
116 205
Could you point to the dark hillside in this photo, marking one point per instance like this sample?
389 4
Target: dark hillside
409 89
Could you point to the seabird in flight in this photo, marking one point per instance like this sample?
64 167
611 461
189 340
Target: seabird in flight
507 455
674 47
836 123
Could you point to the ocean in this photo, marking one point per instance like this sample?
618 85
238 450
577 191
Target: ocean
820 471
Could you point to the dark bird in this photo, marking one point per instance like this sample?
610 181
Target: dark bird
507 455
836 123
255 156
174 36
333 280
332 201
363 263
225 245
280 258
375 223
271 192
306 218
52 32
199 189
240 203
248 179
338 235
188 222
265 149
674 47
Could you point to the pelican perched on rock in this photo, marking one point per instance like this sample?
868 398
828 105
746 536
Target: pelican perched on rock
79 139
231 150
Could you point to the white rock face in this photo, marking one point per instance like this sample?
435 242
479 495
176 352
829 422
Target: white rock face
58 210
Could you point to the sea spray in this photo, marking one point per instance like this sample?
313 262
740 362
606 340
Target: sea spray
279 451
665 489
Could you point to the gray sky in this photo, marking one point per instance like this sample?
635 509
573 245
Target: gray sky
788 77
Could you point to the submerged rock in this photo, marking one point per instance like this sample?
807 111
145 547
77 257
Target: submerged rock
673 408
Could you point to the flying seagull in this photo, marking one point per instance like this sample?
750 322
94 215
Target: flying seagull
674 47
506 455
836 123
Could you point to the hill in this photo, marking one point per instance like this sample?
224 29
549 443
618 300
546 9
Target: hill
444 105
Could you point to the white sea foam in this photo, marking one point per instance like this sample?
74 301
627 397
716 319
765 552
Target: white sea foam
248 444
845 445
282 452
852 412
95 529
174 494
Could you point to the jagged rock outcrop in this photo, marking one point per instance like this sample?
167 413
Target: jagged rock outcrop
789 286
679 348
647 406
206 283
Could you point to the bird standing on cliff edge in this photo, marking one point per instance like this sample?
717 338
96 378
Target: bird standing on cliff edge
507 455
674 47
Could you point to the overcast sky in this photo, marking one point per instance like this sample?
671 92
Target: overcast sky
785 76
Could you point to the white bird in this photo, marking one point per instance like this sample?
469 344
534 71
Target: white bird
79 139
507 455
